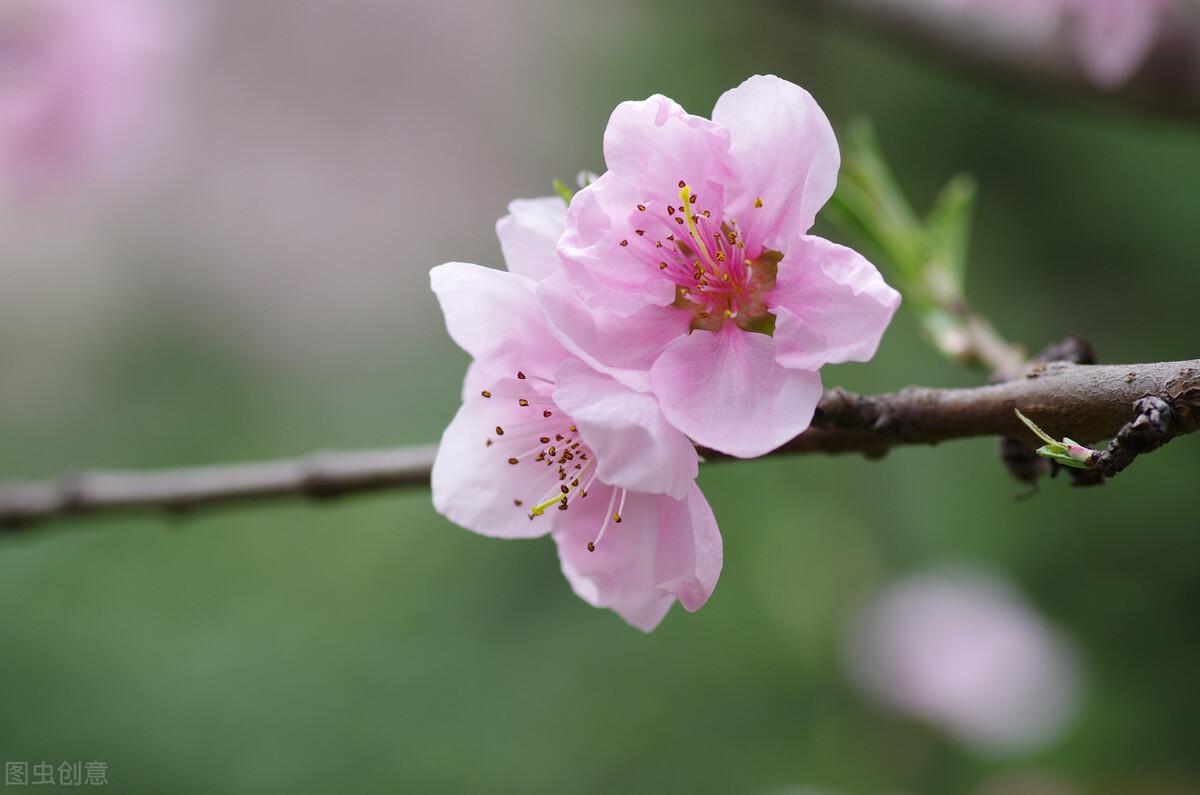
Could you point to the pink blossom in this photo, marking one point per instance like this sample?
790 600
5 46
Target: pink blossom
1112 38
544 444
962 649
74 81
1107 39
529 235
701 283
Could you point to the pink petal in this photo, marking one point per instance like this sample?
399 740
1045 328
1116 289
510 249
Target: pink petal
649 147
663 550
478 378
529 235
658 143
494 316
635 446
1113 37
830 305
474 485
623 347
612 277
786 153
725 390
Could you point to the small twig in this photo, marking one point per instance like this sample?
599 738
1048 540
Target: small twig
1021 460
1154 424
988 348
1089 402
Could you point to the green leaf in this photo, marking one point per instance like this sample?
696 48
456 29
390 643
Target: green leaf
949 228
1038 432
866 165
868 202
561 189
1058 451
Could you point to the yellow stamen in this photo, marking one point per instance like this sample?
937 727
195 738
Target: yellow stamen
686 195
541 507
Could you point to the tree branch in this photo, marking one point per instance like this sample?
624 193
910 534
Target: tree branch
318 476
1168 81
1087 402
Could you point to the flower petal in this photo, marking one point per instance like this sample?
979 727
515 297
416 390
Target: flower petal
1112 37
636 448
494 316
649 147
529 235
786 155
831 305
474 485
659 143
612 277
725 390
623 347
663 550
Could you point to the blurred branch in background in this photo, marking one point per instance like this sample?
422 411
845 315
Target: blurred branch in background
1090 402
1145 53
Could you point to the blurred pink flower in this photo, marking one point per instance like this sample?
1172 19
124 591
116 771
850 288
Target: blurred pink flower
1108 39
702 283
544 444
1112 37
75 80
962 650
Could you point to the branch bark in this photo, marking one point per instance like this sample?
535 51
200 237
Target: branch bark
1086 402
317 476
1168 81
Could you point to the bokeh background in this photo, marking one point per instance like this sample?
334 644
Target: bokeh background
260 290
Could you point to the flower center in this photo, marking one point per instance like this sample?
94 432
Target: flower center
718 277
560 467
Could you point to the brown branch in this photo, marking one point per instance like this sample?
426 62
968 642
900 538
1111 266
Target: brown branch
1021 460
318 476
1168 81
1152 426
1086 402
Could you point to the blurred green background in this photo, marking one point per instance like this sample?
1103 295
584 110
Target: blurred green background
369 645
